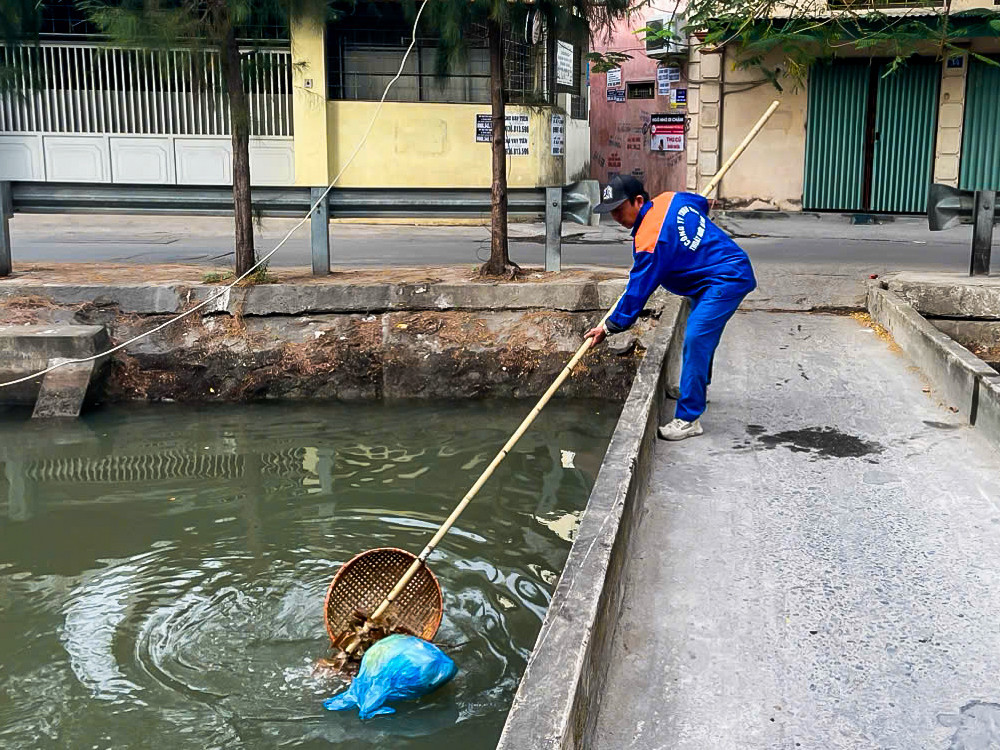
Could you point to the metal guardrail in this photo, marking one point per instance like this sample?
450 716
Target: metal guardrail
570 203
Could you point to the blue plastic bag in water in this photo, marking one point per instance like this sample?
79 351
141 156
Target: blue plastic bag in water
398 667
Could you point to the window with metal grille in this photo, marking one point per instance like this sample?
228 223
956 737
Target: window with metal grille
91 88
640 90
578 101
364 53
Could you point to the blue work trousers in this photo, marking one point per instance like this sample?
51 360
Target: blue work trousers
709 314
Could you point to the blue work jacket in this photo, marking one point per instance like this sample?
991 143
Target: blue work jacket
677 246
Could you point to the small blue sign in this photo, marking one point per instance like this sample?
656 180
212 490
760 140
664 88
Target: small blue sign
956 62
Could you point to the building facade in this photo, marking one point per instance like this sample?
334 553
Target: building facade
431 130
85 112
626 101
852 137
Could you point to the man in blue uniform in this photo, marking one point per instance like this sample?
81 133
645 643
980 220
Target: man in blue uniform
676 246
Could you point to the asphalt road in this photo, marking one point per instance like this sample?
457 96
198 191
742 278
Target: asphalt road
824 246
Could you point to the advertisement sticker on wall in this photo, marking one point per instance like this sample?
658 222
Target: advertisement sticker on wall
516 133
564 63
678 97
484 128
662 82
667 132
558 135
614 77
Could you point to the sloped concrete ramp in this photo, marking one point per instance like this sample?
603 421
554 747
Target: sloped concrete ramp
821 569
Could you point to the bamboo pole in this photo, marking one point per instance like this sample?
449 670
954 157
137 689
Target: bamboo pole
546 397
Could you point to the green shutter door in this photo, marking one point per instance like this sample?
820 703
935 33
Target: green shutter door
981 132
905 127
835 135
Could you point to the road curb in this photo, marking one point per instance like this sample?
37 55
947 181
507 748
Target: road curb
297 299
557 701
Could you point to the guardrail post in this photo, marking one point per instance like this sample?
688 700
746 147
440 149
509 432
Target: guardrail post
6 211
320 233
982 232
553 229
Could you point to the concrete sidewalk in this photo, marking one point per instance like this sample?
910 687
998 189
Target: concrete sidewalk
819 570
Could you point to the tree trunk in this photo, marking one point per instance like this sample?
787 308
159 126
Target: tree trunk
239 122
499 263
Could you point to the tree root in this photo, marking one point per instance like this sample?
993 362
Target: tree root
510 271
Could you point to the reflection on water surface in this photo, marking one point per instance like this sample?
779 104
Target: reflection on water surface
162 569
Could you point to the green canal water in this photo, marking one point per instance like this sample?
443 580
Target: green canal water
162 569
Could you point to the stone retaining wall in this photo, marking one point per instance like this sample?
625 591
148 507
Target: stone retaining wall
344 343
560 693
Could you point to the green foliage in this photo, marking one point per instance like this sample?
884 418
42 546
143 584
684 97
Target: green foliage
20 19
455 20
214 277
603 62
260 276
802 31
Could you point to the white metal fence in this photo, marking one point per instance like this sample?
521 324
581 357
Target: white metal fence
89 88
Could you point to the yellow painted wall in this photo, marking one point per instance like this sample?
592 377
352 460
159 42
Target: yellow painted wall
771 170
432 145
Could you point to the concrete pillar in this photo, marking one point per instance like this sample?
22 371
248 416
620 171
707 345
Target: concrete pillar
951 115
319 235
63 390
553 229
309 110
694 116
6 211
704 158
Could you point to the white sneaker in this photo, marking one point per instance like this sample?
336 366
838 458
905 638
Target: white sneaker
678 429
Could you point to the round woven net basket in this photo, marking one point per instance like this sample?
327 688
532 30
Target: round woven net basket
362 584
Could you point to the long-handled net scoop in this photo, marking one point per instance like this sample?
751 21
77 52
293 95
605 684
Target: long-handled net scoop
388 590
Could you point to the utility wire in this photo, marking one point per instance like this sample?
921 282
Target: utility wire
225 290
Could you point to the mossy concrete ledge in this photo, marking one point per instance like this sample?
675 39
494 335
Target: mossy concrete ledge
432 334
557 701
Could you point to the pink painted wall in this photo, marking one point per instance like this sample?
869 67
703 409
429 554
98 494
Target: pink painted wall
619 131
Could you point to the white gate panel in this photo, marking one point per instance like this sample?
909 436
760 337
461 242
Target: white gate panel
77 158
21 157
204 161
142 160
272 162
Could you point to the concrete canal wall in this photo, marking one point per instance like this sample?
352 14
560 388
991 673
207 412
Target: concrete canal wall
345 341
559 695
923 313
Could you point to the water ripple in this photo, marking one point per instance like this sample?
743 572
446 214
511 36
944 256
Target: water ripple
186 602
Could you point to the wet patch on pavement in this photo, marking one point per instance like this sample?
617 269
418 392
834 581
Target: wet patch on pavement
821 442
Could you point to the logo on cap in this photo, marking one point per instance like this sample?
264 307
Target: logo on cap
608 193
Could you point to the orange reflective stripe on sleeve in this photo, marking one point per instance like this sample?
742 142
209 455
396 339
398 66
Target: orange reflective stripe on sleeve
649 231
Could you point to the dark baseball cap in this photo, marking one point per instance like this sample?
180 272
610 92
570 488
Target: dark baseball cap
619 189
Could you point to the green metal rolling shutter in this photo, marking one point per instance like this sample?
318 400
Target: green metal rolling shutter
906 123
835 122
981 132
